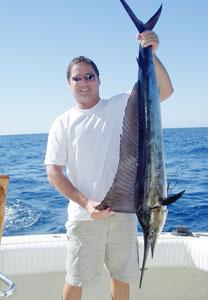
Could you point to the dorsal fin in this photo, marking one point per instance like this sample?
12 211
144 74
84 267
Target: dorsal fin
121 196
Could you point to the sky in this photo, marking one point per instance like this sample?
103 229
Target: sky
40 37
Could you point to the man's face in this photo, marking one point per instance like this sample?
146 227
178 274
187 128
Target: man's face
84 84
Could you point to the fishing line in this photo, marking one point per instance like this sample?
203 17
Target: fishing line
177 173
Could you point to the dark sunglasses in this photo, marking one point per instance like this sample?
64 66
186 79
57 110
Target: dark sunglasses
87 77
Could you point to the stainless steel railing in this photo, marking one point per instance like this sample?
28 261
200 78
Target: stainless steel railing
8 292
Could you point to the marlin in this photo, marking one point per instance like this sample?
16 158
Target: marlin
140 182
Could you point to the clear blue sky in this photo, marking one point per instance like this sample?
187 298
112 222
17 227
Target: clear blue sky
40 37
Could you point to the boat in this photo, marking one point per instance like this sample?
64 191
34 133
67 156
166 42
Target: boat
33 267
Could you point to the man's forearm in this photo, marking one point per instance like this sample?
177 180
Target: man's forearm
163 80
64 186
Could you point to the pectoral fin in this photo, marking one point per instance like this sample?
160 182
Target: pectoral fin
171 199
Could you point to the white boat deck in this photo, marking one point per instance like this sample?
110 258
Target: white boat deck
36 264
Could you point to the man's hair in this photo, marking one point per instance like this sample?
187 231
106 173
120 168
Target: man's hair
81 59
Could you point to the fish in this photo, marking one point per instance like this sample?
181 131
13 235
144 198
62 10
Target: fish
140 182
4 182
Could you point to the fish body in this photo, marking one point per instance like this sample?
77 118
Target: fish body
140 183
151 180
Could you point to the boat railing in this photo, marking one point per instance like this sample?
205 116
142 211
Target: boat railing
9 291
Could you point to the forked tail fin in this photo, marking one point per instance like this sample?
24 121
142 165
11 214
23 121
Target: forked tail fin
138 23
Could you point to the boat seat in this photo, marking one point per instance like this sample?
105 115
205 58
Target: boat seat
4 182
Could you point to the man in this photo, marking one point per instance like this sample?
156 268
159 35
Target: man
86 140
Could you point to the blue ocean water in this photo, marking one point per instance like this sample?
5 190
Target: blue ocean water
35 207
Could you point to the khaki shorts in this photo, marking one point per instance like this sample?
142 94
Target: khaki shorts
112 241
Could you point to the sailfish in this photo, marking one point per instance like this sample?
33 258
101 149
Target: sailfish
140 182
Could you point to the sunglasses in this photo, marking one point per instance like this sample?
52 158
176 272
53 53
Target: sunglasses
88 77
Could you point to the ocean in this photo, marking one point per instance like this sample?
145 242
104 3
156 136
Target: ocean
35 207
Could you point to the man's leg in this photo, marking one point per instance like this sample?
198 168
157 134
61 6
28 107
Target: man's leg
71 292
85 256
122 254
119 290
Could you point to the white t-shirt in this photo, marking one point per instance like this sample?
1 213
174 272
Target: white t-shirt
87 142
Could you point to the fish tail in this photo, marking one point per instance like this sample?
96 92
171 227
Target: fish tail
153 20
138 23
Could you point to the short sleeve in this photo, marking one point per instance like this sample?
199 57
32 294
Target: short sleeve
56 153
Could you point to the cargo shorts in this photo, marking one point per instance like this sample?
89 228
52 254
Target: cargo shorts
92 243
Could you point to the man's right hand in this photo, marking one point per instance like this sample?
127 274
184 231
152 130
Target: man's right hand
96 214
65 187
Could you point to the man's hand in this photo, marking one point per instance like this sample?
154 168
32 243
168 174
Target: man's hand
148 38
95 213
66 188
